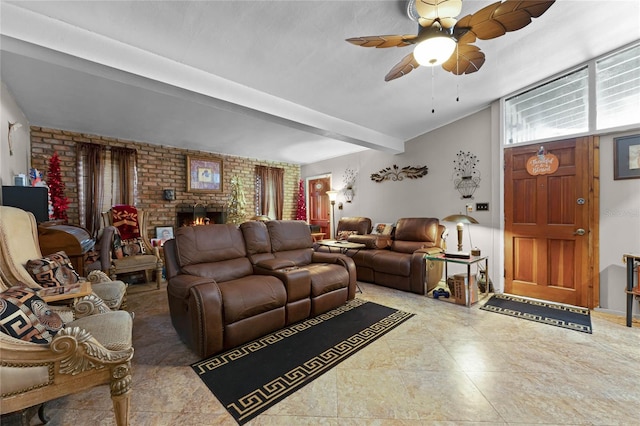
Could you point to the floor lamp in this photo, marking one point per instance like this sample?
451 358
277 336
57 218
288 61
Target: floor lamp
333 195
460 220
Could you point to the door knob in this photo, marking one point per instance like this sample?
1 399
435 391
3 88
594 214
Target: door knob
579 231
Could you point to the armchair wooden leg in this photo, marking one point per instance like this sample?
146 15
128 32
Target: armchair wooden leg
121 392
158 276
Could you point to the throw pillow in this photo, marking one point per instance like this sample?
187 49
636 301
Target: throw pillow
54 270
25 316
344 235
382 229
132 247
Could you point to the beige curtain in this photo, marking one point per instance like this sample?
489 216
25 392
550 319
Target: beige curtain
271 189
91 162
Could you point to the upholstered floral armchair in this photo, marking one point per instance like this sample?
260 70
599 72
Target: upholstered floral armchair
126 238
22 261
42 358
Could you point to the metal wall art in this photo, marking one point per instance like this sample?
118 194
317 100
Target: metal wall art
349 180
395 173
466 177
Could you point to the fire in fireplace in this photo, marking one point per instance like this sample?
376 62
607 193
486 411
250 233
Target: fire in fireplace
199 214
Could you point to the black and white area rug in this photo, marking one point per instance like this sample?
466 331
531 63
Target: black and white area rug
572 317
249 379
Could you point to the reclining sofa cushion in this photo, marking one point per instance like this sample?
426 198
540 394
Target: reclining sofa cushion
213 252
215 300
414 234
361 225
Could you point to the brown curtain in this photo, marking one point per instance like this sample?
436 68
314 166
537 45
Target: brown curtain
277 176
91 161
271 188
124 162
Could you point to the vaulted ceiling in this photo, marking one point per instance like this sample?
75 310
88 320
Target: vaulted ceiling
273 80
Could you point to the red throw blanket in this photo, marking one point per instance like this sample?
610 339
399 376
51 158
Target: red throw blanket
125 218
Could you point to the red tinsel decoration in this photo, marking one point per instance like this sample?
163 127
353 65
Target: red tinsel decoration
301 213
56 189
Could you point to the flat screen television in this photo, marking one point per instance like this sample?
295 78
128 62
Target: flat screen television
34 199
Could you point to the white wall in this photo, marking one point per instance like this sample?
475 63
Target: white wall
20 161
619 228
433 195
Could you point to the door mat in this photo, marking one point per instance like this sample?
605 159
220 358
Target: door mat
249 379
572 317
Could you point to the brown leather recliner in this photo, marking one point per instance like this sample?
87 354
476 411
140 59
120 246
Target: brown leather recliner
359 225
285 248
399 262
216 302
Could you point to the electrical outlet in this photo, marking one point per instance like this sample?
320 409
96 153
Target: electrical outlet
469 208
482 207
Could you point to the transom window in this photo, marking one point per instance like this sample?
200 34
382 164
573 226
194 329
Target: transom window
567 106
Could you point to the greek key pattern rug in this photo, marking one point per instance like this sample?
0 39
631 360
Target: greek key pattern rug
249 379
565 316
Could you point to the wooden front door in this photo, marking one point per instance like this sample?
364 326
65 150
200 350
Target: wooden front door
551 225
318 209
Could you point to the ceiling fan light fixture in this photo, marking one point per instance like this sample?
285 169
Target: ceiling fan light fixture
434 50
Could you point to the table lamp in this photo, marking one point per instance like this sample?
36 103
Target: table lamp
333 195
460 220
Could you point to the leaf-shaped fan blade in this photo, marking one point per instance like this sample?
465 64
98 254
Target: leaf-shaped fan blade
430 10
468 60
404 67
383 41
501 17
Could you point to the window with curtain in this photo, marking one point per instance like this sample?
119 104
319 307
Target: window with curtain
269 191
106 176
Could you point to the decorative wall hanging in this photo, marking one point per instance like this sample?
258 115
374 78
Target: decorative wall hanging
349 180
542 163
395 173
626 157
466 177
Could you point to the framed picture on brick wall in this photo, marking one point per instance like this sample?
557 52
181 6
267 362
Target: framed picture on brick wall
204 174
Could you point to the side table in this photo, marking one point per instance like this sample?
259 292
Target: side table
440 257
342 246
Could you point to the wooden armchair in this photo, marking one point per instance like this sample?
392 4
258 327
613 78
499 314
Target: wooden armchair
137 254
89 351
19 245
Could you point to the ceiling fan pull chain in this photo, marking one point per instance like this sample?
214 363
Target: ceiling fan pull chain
433 97
457 73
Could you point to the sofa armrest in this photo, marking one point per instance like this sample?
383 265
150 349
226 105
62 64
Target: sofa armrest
179 285
371 241
418 269
275 264
206 320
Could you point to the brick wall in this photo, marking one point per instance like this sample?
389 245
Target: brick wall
159 167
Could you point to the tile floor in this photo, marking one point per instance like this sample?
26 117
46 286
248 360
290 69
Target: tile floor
448 365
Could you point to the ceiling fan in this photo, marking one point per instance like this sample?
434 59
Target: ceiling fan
442 39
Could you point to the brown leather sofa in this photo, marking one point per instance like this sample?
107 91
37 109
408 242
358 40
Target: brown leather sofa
224 292
397 261
287 244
